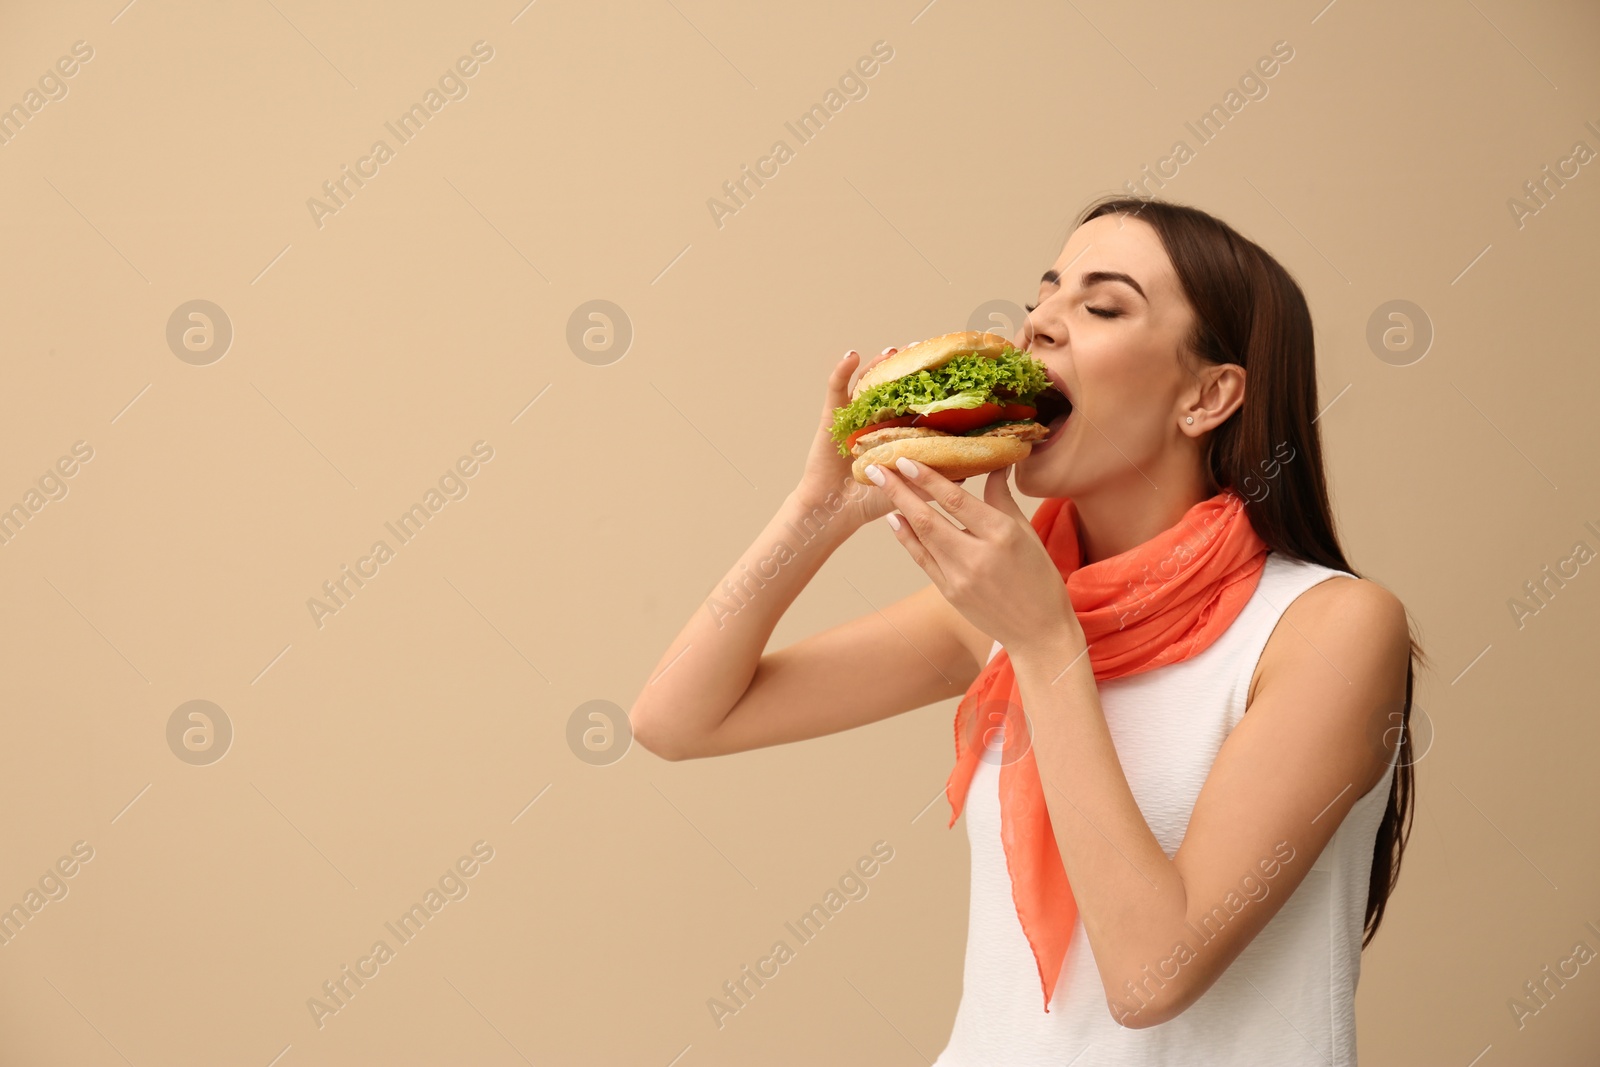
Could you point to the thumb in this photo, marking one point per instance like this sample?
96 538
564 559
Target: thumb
837 393
997 494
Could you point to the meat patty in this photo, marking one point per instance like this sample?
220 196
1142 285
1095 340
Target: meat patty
891 433
1022 431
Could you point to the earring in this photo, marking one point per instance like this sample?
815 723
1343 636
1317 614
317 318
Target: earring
1189 418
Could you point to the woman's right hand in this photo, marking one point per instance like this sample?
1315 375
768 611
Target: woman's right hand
828 473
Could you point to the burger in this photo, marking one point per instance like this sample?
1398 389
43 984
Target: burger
964 404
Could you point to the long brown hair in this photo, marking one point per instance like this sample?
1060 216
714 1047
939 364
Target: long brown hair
1250 311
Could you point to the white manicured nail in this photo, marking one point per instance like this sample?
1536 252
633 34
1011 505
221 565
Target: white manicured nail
908 468
875 474
894 521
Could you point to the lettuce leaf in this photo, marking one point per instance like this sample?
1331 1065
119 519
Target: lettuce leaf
1018 375
971 399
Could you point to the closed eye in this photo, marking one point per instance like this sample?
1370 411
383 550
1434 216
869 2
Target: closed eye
1105 313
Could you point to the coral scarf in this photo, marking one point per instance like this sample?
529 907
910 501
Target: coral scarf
1158 603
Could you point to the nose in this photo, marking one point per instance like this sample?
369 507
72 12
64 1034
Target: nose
1033 335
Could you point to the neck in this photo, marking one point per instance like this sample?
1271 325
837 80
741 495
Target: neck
1121 515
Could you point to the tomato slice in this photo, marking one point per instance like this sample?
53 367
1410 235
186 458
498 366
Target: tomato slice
903 420
960 420
952 420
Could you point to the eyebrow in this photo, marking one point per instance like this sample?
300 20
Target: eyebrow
1094 277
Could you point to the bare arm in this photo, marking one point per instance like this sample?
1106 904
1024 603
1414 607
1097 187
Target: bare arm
714 692
1282 782
1279 788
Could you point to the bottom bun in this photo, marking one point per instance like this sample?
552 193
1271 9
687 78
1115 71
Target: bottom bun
954 457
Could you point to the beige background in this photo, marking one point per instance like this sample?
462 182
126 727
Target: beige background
428 313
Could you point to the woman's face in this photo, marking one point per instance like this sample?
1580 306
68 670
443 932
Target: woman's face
1111 344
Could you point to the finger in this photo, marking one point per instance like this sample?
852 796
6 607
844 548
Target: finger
915 548
868 363
959 504
838 390
997 494
839 380
873 361
922 494
936 532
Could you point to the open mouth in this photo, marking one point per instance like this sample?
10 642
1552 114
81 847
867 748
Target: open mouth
1053 407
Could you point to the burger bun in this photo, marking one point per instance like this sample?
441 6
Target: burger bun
930 355
954 457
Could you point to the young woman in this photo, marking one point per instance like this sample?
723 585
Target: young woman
1183 748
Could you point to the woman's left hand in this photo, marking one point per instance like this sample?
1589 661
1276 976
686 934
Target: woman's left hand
996 572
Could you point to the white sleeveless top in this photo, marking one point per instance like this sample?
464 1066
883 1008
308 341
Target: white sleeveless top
1287 1000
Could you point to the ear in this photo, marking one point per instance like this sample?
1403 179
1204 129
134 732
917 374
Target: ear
1217 393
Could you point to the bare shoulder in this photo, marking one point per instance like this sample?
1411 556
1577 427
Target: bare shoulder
1342 603
1350 625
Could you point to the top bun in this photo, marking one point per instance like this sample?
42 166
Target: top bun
929 354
